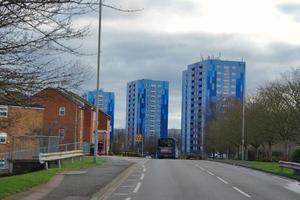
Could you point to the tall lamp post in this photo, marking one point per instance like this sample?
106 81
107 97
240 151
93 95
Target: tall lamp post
98 78
243 117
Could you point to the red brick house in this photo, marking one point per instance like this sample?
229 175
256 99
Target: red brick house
19 121
71 116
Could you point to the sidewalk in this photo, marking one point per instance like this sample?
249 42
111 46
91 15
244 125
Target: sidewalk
79 185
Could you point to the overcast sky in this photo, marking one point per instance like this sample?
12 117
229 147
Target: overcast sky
160 41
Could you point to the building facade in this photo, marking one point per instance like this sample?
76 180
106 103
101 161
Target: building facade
146 109
106 104
19 121
72 118
206 87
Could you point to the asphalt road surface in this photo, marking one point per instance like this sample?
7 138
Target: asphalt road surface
202 180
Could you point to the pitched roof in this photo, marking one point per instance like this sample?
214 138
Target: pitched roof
76 98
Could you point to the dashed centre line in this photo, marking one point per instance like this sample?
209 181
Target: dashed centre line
222 180
200 167
209 172
242 192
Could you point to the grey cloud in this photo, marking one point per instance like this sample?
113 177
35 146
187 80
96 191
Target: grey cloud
148 6
292 9
128 56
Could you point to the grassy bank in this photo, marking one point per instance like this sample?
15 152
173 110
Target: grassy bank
271 167
19 183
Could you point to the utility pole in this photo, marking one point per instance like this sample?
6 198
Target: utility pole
243 117
98 79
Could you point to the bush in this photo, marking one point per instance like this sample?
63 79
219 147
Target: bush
296 156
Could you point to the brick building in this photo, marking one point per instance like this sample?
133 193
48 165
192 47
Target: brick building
18 121
72 117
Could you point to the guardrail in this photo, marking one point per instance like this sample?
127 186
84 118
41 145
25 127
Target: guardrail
290 165
33 154
58 156
41 154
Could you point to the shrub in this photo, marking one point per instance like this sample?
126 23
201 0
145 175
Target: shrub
296 156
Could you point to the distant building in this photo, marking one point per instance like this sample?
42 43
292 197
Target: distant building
147 109
106 104
206 86
72 118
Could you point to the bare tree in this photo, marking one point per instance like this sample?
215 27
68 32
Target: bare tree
33 35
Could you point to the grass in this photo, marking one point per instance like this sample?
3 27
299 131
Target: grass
20 183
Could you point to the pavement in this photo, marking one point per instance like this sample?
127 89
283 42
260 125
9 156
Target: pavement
78 185
204 180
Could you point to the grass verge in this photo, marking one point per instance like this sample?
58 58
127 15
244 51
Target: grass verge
20 183
271 167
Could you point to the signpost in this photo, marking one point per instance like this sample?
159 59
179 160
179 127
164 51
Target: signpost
139 139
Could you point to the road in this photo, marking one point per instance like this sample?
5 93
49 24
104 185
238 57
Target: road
205 180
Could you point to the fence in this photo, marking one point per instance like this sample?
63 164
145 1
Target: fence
33 154
4 164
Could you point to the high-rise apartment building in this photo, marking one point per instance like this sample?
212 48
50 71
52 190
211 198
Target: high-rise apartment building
106 104
206 86
146 109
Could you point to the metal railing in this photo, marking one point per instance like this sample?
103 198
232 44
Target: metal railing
291 165
33 154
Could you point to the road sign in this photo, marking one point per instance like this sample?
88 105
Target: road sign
138 137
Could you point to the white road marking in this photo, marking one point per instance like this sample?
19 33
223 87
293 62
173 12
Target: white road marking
210 173
135 175
136 189
293 186
120 194
200 167
128 198
128 186
222 180
142 177
144 169
279 178
242 192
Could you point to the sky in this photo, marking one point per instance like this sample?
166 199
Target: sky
167 35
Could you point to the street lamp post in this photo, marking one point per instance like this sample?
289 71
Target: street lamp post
243 117
98 78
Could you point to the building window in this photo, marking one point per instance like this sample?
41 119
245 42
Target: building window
3 138
62 111
61 132
3 111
